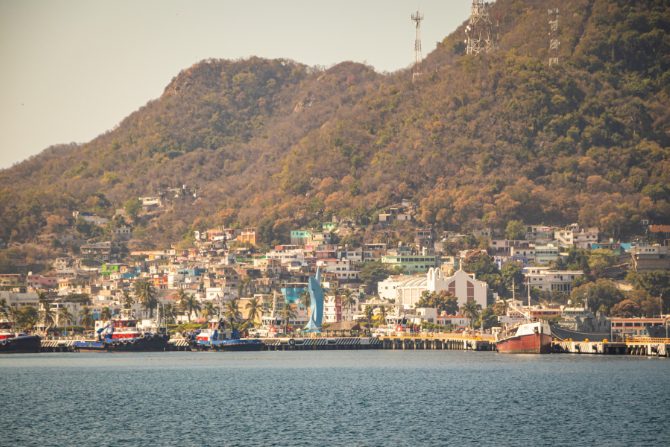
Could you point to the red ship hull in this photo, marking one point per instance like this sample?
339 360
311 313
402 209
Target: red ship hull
526 344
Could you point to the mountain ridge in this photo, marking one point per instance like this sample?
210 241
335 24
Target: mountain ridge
476 142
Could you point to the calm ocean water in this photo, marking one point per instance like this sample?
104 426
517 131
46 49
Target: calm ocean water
344 398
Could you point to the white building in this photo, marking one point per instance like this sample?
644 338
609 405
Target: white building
462 285
407 290
334 310
573 236
341 268
287 256
546 280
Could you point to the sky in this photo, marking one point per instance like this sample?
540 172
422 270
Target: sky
73 69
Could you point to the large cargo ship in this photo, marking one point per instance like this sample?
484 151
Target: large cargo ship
526 338
17 342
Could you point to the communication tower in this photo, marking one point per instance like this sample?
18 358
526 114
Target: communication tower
417 17
479 31
554 36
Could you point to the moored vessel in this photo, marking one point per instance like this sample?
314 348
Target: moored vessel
17 342
214 338
526 338
124 334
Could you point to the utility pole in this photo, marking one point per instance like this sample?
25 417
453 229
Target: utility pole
479 31
554 36
417 17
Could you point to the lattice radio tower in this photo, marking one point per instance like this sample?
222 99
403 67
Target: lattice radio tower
479 32
554 36
417 17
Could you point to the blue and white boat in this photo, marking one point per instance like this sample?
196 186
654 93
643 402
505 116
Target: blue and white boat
214 337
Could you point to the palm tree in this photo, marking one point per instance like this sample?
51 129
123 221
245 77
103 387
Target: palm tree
106 314
208 310
471 310
369 312
4 309
48 316
26 317
168 313
287 313
306 300
86 317
128 300
146 294
64 316
188 303
233 314
349 300
382 314
255 310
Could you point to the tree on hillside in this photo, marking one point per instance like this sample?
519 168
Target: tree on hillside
599 295
515 230
656 283
372 273
512 276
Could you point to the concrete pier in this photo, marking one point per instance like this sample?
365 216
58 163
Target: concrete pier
650 347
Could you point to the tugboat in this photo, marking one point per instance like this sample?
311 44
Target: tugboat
214 338
13 342
122 334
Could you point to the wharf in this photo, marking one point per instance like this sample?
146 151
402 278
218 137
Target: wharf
650 347
68 344
438 341
641 346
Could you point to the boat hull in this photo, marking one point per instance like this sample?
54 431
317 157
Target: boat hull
525 344
23 344
150 343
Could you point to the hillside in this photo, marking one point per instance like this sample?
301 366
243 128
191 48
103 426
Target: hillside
477 141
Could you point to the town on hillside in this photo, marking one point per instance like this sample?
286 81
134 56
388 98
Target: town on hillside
398 277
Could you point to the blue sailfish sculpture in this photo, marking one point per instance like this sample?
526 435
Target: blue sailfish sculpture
316 303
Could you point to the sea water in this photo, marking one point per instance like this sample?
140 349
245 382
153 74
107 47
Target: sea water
338 398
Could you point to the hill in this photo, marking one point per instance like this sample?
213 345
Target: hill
475 142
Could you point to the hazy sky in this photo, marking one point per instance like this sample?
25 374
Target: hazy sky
73 69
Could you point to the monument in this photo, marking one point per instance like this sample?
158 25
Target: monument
316 303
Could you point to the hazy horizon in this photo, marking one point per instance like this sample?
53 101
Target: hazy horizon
76 68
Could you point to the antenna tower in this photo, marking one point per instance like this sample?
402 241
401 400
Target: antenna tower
554 36
417 17
479 31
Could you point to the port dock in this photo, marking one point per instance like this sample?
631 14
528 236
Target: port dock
640 346
649 347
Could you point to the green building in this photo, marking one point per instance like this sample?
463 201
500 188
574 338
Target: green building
410 263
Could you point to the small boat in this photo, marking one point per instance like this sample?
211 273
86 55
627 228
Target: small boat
123 334
17 342
214 338
526 338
